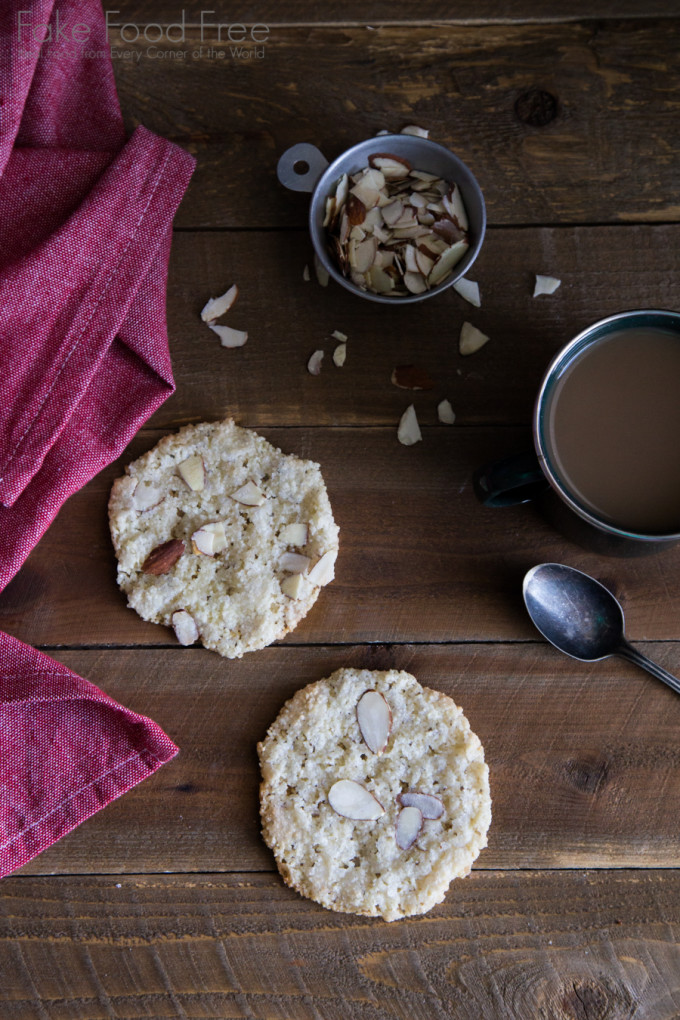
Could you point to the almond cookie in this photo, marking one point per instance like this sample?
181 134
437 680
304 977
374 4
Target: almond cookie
223 537
375 794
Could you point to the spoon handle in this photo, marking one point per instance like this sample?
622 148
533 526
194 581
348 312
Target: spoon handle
627 651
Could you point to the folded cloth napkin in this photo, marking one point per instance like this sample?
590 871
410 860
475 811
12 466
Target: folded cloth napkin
85 227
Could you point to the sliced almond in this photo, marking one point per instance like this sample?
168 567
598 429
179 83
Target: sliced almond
356 210
337 335
446 261
294 586
409 432
249 494
192 470
393 168
453 203
209 539
145 497
411 377
415 283
393 212
471 339
314 363
375 720
163 558
429 806
380 281
229 337
424 262
305 274
185 627
294 563
448 230
352 800
323 571
546 285
216 307
340 355
469 290
294 534
409 824
361 255
413 129
445 412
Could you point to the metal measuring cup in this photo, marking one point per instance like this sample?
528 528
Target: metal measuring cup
304 168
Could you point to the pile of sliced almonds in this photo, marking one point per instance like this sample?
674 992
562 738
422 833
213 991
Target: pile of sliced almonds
353 800
394 230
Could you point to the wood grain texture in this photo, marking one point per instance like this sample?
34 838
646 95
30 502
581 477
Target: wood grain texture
603 270
379 12
420 559
608 154
584 760
572 946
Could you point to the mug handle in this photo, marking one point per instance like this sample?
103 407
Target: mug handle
510 481
291 171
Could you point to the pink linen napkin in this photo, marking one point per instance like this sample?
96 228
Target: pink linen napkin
85 228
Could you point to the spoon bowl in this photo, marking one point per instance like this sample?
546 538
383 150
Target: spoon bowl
581 617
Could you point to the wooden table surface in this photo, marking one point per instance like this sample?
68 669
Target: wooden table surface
167 903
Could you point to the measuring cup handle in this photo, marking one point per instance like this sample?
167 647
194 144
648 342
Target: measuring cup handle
301 155
510 481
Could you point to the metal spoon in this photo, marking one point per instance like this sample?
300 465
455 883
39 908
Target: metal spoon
579 616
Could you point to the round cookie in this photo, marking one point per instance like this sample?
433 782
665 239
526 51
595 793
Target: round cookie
317 754
222 536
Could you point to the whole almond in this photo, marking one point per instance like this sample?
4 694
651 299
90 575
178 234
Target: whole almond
163 558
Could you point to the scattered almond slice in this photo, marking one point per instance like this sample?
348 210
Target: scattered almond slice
185 627
229 337
294 534
216 307
340 355
409 824
375 720
209 539
546 285
352 800
429 806
145 497
294 563
384 131
409 432
249 494
411 377
163 558
321 271
337 335
469 290
192 470
471 339
445 412
323 571
314 363
413 129
305 274
294 586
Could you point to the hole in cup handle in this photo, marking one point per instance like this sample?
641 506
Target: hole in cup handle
510 481
300 167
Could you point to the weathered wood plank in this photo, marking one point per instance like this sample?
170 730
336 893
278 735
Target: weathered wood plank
420 559
603 270
502 946
380 12
601 146
584 760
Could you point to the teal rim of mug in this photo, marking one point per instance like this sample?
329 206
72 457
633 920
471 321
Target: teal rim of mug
655 317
